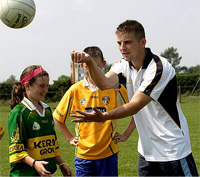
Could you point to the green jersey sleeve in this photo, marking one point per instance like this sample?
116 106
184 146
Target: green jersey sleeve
17 149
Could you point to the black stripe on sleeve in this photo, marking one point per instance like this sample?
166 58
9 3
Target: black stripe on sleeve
158 75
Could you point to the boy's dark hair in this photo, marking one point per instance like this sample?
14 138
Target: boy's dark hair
94 52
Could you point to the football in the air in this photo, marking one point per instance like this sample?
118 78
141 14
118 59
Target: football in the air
17 13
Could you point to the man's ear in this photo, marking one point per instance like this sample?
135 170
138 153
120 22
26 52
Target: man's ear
143 42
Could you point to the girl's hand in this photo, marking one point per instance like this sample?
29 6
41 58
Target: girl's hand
39 167
66 171
120 137
74 141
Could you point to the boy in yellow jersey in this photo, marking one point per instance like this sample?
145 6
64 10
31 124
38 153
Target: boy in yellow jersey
96 150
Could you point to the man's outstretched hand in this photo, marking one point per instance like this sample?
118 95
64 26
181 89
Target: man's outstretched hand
95 116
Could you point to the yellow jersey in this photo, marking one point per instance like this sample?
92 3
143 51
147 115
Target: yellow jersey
95 139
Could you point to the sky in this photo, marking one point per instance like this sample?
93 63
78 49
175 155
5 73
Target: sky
61 26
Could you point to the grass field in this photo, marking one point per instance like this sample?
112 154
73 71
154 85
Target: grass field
128 155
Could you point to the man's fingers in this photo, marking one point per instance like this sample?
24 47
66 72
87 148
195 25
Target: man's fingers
78 120
76 115
96 110
72 55
79 57
81 112
84 114
80 115
88 117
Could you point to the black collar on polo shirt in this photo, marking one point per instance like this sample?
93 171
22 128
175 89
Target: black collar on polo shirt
131 65
147 59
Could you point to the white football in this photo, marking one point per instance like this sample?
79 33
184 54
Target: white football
17 13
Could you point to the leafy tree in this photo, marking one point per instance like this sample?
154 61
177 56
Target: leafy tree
62 78
194 70
187 81
173 57
11 80
183 69
5 90
190 70
58 88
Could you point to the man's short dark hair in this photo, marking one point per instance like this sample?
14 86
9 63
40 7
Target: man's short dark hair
131 26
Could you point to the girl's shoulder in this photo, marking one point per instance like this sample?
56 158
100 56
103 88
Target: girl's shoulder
16 112
18 109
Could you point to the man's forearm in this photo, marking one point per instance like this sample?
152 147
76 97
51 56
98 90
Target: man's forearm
120 112
138 101
97 75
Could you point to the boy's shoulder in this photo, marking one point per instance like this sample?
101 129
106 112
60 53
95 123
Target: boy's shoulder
77 85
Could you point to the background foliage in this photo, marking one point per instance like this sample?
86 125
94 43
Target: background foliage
59 87
187 83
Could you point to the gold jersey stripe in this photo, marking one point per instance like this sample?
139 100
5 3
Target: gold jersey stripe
17 157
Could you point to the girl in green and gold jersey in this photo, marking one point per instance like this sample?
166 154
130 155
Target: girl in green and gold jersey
33 145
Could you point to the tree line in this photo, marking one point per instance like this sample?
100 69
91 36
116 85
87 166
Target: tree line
188 78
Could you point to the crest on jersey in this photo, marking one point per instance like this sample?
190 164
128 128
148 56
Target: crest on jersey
83 101
106 100
36 126
15 135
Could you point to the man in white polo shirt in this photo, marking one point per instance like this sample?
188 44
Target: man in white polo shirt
164 143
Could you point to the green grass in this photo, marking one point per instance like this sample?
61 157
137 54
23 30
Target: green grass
128 155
